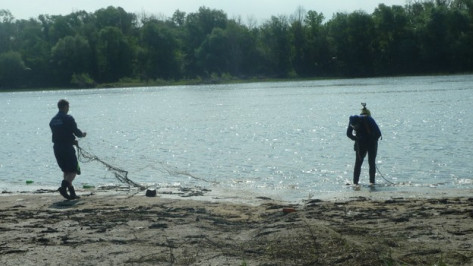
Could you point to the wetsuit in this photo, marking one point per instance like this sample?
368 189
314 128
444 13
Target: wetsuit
366 141
64 129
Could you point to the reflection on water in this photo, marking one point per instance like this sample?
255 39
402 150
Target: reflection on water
285 139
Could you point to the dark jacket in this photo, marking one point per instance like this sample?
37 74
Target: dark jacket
64 129
367 131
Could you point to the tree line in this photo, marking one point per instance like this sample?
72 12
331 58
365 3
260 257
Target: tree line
111 45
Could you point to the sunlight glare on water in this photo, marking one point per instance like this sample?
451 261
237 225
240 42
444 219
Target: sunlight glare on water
283 139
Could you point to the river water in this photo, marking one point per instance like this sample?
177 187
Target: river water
284 140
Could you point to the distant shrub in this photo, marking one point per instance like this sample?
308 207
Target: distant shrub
82 80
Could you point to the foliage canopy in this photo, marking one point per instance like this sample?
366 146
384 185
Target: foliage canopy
110 45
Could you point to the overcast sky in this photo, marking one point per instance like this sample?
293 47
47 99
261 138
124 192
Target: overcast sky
259 10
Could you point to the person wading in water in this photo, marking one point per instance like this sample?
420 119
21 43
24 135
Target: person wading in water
64 130
366 138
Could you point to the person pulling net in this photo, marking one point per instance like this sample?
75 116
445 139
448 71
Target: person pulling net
120 174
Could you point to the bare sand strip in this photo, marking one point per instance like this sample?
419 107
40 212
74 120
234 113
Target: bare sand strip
126 229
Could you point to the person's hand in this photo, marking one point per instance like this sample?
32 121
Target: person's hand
84 134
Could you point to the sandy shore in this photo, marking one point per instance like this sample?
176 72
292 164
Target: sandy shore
132 229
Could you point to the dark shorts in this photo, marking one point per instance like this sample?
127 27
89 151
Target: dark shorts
66 158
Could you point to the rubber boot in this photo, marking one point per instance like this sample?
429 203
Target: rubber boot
73 193
63 189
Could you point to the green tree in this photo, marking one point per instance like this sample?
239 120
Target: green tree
313 57
423 37
197 27
223 51
7 31
159 55
241 52
338 38
396 47
70 55
35 50
353 38
179 18
299 42
12 70
459 39
114 55
116 17
60 27
212 56
276 47
434 40
6 16
462 25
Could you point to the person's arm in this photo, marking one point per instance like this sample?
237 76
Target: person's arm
350 132
73 126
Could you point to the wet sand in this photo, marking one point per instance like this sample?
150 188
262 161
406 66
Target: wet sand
132 229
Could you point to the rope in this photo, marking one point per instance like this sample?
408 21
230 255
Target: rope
379 172
176 172
120 174
377 169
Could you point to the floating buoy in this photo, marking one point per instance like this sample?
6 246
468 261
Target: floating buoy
29 181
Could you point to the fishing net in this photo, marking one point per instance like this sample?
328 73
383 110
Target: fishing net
173 171
122 175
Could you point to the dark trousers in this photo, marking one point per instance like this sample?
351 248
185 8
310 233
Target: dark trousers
361 151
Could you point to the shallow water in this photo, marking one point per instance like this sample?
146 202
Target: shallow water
284 140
